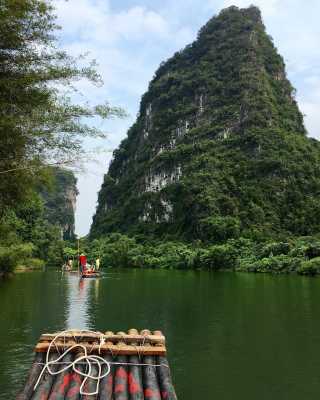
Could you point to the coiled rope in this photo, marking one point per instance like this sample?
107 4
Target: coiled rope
86 358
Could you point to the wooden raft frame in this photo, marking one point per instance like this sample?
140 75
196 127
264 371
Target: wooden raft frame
120 343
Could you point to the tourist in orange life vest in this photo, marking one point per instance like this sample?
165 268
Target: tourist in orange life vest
83 263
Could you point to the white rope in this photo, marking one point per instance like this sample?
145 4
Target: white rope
126 364
88 359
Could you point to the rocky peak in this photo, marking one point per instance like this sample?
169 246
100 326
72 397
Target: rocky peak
208 131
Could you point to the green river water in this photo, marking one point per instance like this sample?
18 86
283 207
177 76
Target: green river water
229 336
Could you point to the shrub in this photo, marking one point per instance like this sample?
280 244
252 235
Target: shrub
120 251
14 255
308 247
275 264
275 249
219 257
35 263
175 255
299 251
313 251
310 267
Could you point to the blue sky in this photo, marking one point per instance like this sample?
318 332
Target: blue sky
130 38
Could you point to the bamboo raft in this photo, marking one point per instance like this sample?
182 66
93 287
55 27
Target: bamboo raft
133 367
86 275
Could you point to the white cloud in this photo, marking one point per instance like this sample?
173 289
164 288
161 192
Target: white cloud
88 20
114 37
138 22
311 117
81 18
309 101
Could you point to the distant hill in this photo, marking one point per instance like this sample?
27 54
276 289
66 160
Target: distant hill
219 149
60 201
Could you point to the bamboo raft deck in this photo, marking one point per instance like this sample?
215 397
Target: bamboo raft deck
137 360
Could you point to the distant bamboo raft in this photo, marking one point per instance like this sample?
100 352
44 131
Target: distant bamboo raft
136 360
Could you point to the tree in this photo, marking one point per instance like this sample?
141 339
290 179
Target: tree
39 126
38 121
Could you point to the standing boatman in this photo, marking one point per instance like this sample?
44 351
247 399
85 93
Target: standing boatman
83 262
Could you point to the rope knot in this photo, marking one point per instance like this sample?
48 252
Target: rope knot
90 360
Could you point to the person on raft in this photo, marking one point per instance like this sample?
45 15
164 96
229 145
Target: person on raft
97 263
83 263
70 264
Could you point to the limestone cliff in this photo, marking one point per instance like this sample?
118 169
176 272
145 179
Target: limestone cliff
219 147
60 201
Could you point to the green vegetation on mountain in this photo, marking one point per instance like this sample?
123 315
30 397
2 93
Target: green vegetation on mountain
218 159
60 201
33 234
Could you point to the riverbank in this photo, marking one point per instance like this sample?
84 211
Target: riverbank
23 268
18 270
5 275
295 255
33 265
21 257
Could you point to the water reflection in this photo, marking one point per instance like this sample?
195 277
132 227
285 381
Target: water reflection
96 289
78 299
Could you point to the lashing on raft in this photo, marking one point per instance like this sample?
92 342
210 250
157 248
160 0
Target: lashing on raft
94 365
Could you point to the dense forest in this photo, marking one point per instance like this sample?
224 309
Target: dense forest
218 170
33 234
41 132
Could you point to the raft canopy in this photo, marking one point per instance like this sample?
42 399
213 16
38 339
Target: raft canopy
75 364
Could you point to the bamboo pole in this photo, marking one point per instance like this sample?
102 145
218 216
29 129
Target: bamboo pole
34 373
44 388
106 384
129 338
165 382
120 391
150 381
73 392
135 376
62 381
118 349
135 379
